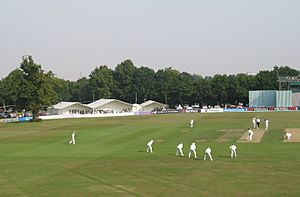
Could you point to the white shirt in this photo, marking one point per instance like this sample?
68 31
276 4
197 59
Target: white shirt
150 143
257 120
233 147
180 146
193 146
288 135
267 121
250 132
254 120
73 135
208 150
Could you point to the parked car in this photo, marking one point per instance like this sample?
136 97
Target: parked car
4 115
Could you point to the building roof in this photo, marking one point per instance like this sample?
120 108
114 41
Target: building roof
101 102
63 105
149 102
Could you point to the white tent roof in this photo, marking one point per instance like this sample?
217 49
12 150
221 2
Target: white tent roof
63 105
101 102
151 102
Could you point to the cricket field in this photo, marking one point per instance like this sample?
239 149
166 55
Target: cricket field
110 159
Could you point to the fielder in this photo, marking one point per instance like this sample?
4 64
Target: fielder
192 123
288 136
233 150
267 124
72 141
254 122
208 152
179 149
149 146
257 122
193 150
250 134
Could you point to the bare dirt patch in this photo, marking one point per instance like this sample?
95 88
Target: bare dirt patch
295 135
229 135
159 141
184 130
256 138
200 141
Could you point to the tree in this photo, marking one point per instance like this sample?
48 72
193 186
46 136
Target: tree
202 90
266 80
102 82
144 84
81 91
219 86
166 85
185 88
62 89
244 84
31 83
10 87
231 89
124 76
286 71
37 89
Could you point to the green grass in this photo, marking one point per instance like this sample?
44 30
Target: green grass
109 158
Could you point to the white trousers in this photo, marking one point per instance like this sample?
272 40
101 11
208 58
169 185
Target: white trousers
192 151
233 153
210 157
179 150
72 141
254 125
250 137
149 149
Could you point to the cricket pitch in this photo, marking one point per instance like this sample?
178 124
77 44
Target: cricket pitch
256 138
229 135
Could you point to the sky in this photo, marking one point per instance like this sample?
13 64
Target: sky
72 37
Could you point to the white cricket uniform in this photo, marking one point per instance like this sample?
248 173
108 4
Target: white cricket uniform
179 149
72 141
250 134
257 122
149 146
208 152
233 150
193 150
267 124
192 123
288 136
254 122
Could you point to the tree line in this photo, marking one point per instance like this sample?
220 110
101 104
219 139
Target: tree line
30 87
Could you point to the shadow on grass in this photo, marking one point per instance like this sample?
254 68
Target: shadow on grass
183 157
223 156
144 151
